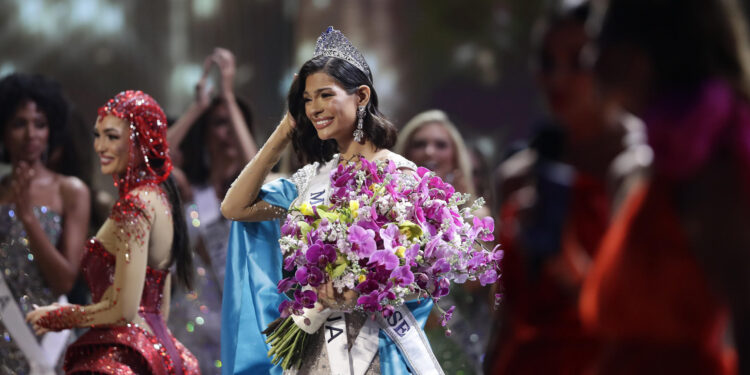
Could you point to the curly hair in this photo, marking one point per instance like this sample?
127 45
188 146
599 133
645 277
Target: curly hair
17 89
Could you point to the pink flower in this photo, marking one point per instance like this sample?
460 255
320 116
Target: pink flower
448 315
402 276
362 240
384 258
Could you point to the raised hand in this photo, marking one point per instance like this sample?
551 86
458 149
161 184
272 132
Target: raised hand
203 91
224 59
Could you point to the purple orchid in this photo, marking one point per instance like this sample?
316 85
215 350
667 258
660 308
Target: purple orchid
485 227
320 254
305 298
440 267
312 276
385 259
389 234
448 315
402 276
442 288
362 240
488 277
371 301
285 285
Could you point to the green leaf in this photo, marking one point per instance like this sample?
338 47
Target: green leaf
339 270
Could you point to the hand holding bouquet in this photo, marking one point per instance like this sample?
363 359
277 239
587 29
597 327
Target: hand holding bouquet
384 237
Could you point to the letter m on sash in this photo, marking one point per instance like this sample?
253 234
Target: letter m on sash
317 198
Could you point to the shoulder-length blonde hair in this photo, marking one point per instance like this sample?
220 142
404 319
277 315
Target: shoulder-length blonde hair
461 154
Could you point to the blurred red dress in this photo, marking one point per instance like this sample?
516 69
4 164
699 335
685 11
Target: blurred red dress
647 295
541 331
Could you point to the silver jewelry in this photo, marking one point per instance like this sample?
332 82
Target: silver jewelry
359 134
333 43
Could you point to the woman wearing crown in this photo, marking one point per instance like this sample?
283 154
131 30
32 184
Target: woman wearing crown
333 118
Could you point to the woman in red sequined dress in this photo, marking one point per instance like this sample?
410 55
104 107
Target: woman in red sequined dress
126 263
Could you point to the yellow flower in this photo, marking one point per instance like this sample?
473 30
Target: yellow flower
362 278
400 251
354 208
306 209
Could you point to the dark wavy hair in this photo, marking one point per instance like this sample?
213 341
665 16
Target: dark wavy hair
377 128
18 88
196 165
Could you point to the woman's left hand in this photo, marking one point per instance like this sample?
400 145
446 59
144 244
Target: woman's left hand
332 299
35 315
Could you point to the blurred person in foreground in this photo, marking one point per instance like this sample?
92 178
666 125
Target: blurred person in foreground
556 200
214 138
673 267
44 220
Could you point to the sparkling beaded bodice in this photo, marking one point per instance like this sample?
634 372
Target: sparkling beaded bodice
21 273
16 260
98 267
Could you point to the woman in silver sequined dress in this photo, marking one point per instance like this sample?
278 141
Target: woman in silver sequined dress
43 221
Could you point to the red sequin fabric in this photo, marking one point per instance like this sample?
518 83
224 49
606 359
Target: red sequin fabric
149 153
127 349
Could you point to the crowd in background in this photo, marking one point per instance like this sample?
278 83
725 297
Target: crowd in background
623 218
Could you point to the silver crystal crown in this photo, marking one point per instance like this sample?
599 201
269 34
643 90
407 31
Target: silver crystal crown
333 43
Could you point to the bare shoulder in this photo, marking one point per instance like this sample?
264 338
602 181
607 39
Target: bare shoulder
73 188
400 161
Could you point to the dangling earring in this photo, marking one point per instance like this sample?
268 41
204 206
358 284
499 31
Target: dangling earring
359 133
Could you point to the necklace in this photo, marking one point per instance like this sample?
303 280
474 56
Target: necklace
354 157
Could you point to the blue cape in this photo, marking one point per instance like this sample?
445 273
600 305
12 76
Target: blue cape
251 301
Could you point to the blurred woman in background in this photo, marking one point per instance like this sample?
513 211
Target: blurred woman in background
214 138
673 266
431 140
44 219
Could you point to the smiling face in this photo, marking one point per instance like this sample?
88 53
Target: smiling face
111 143
26 133
332 111
431 146
220 136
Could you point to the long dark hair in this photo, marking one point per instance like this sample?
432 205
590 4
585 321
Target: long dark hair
196 165
687 41
377 128
181 254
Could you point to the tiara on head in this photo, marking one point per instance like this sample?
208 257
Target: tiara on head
333 43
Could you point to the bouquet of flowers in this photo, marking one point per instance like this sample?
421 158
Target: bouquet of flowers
386 234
